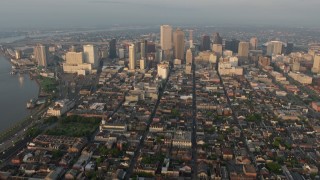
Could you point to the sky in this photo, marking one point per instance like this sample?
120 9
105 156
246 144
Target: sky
98 13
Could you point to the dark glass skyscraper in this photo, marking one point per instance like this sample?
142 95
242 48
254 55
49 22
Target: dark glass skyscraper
217 39
205 43
113 49
289 48
232 45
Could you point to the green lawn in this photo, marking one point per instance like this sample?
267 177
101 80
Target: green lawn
75 126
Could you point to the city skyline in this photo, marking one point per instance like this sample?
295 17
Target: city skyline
92 13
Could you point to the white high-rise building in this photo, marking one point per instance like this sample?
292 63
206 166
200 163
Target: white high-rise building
132 57
166 37
91 55
40 54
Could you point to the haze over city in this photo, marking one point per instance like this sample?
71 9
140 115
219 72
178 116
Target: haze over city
160 89
93 13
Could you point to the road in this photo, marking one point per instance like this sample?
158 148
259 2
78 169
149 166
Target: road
134 159
194 125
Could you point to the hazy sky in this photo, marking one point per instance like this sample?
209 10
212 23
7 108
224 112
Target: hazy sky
85 13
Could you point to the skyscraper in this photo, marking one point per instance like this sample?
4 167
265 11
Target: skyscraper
217 49
132 57
232 45
217 39
40 55
253 43
178 39
274 48
166 37
74 58
189 56
191 38
289 48
243 50
143 48
205 43
90 54
142 64
316 64
113 49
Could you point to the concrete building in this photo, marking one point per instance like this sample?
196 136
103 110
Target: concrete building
18 54
274 48
243 50
316 64
296 66
40 55
166 37
121 53
143 64
113 49
227 53
178 40
74 58
217 39
189 56
253 43
217 49
205 43
80 69
91 55
143 48
163 70
60 107
132 57
301 78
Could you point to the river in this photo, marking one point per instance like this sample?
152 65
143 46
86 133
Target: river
15 91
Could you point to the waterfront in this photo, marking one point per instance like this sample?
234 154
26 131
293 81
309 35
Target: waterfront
15 91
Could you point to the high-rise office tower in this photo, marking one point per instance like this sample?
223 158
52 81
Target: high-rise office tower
40 54
277 47
113 49
217 39
243 50
143 48
205 43
253 43
18 53
316 64
151 47
121 53
274 48
74 58
189 56
132 57
178 39
289 48
232 45
217 49
90 54
166 37
191 38
142 64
